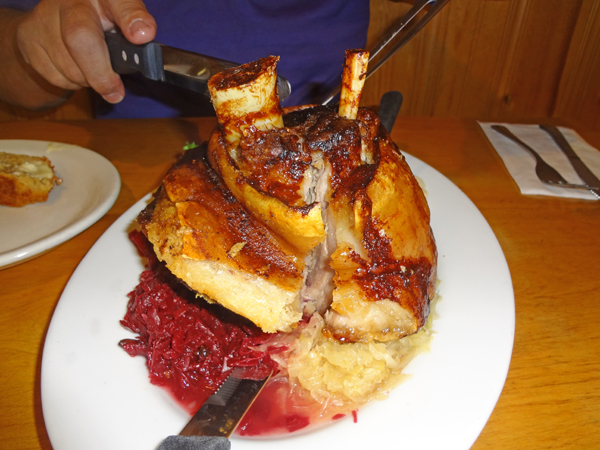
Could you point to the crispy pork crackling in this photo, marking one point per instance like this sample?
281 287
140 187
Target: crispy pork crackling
289 213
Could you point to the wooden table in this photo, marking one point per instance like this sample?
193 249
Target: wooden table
552 395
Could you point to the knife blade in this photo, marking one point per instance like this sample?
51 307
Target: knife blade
586 175
219 416
171 65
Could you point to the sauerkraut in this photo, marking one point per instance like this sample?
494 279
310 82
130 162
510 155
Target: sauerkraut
351 374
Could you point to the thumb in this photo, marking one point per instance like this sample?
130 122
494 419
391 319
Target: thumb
133 19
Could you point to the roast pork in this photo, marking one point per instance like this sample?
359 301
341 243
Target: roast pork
287 213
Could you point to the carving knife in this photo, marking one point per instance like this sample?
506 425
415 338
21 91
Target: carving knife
586 175
218 417
171 65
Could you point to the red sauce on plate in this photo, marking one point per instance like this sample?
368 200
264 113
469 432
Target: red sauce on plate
282 409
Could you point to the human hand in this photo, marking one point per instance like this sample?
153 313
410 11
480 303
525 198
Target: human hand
63 40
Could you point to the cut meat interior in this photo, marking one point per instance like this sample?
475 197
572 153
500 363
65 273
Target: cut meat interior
290 213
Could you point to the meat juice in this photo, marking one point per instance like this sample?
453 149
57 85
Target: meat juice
280 409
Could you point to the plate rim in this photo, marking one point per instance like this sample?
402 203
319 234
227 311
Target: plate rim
43 245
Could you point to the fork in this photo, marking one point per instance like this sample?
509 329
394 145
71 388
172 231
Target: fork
546 173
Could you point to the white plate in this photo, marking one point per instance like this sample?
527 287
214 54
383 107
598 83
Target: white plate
95 396
90 186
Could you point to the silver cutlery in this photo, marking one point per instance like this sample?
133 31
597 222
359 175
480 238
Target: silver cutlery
215 421
582 170
546 173
171 65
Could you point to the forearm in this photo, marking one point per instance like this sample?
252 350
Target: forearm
20 84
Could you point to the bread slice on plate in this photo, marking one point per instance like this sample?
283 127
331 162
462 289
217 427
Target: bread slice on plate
25 179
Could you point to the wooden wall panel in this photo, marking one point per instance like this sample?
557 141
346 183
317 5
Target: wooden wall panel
478 58
476 30
540 52
579 92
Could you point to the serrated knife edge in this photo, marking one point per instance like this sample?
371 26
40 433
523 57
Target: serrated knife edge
222 411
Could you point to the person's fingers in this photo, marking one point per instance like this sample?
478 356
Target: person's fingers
42 64
83 37
64 41
134 20
41 47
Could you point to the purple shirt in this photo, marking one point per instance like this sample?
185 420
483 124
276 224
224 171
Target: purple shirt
310 36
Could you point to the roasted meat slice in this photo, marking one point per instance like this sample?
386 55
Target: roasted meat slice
302 226
382 287
216 247
309 210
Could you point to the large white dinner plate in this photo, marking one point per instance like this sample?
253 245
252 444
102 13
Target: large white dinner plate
90 186
95 396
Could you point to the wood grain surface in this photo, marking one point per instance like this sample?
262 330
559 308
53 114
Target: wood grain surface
579 90
551 399
500 59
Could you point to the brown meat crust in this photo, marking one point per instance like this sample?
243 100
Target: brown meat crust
392 216
211 242
227 218
301 226
274 161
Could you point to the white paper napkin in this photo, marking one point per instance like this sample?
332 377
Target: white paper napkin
521 164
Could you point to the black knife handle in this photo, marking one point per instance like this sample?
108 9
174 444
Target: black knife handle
389 106
195 443
127 58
